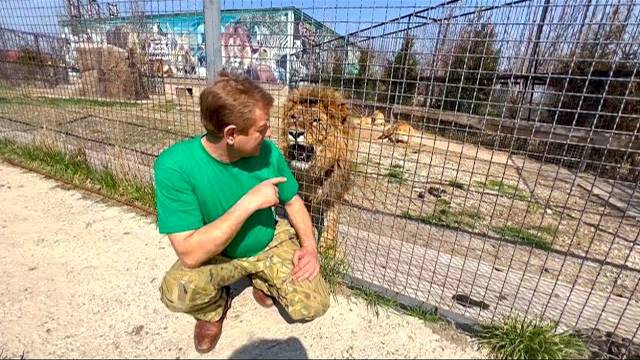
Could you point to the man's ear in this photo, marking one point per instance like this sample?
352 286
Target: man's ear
230 133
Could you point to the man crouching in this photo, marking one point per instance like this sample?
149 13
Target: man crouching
215 198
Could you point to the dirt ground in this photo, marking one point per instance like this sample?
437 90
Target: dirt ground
579 215
81 278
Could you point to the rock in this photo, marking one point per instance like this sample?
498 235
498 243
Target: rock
436 192
110 72
467 301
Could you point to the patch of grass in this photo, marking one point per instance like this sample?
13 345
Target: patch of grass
395 174
17 100
442 203
444 216
333 268
523 236
65 102
375 302
140 193
457 185
527 339
533 207
508 190
357 167
167 106
75 169
549 230
4 100
430 316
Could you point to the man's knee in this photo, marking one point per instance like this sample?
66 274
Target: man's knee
310 307
186 292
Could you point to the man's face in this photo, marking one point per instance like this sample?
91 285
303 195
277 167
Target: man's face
250 144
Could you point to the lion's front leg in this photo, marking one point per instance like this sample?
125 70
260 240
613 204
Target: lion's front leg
327 201
329 236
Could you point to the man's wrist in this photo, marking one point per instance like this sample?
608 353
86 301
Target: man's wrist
309 245
246 205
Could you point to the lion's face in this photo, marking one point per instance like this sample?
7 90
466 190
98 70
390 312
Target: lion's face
307 131
316 132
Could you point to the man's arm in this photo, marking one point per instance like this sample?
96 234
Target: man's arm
305 260
301 221
197 246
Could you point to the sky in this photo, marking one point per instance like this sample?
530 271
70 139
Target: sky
341 15
514 24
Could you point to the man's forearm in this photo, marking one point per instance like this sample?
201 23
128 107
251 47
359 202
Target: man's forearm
211 239
301 222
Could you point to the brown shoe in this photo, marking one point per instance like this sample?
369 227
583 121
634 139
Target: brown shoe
262 298
206 333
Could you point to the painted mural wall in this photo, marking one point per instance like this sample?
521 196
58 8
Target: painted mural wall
272 46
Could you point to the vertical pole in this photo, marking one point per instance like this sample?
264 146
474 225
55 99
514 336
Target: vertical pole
212 39
434 63
290 50
533 60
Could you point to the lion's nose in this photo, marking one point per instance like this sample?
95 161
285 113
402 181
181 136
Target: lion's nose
296 135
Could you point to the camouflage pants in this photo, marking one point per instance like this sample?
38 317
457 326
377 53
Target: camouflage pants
200 291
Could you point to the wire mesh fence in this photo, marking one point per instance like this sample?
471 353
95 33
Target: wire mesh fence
495 151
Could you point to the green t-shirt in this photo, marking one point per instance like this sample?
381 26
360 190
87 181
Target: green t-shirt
193 189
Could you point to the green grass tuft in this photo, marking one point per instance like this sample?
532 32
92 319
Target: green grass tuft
457 184
75 169
527 339
395 174
523 236
507 190
333 268
444 216
549 230
65 102
69 102
375 302
533 207
167 106
430 316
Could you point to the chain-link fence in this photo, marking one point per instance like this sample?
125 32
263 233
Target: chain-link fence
496 154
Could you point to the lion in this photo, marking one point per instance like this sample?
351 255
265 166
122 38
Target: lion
399 132
378 118
361 120
316 140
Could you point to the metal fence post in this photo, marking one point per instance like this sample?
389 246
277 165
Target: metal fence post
212 39
533 60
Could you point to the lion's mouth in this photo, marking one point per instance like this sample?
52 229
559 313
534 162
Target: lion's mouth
300 156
